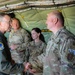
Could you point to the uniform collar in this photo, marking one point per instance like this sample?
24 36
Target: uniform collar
1 33
58 32
17 30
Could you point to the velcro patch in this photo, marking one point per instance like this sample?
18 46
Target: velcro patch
72 51
1 46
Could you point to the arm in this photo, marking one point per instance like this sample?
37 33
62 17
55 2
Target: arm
68 45
41 56
5 65
26 40
37 63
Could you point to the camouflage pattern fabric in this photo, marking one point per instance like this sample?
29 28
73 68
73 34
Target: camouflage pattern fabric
20 38
60 54
37 53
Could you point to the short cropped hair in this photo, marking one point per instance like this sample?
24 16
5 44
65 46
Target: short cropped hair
2 15
59 15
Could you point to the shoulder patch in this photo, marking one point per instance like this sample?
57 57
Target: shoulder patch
72 51
1 46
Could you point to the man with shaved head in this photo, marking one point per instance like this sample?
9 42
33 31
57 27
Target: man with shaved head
60 51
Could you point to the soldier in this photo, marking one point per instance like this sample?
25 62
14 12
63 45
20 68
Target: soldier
6 64
37 52
18 40
60 51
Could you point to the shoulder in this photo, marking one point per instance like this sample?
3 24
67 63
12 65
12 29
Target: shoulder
31 43
23 30
43 43
66 39
66 35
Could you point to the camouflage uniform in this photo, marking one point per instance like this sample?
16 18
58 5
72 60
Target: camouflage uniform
37 52
60 54
6 64
20 38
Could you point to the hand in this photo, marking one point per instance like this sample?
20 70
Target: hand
32 71
13 46
28 66
24 66
70 56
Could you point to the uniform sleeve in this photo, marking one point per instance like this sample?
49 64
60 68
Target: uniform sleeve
37 63
6 66
67 51
41 57
26 40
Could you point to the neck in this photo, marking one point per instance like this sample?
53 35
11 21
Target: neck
16 29
37 40
56 28
2 31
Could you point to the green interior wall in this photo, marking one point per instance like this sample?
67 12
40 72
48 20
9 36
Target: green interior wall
37 18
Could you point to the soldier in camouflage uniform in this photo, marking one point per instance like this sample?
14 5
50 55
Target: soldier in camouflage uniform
36 51
60 52
6 64
18 40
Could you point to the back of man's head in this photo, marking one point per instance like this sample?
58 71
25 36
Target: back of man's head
59 15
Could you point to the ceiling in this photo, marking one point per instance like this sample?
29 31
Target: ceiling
13 5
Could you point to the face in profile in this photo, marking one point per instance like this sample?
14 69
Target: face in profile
34 34
5 24
49 21
15 24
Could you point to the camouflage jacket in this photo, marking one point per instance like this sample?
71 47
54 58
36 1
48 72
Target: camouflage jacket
36 54
21 39
60 54
6 65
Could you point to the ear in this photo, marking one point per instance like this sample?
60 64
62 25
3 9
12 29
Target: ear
39 34
55 20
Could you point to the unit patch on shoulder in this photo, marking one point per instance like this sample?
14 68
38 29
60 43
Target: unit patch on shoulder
72 51
1 46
